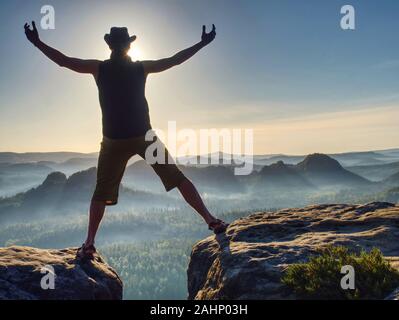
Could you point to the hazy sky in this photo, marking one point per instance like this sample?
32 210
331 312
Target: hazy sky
284 68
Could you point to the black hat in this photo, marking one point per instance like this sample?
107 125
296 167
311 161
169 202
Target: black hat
118 36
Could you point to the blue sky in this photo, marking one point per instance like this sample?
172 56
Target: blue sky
282 67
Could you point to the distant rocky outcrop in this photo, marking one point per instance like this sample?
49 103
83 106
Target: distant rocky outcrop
21 277
57 194
315 172
247 262
280 176
322 170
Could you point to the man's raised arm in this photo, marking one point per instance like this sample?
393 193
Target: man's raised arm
75 64
153 66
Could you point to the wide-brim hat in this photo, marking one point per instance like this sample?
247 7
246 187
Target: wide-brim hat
118 36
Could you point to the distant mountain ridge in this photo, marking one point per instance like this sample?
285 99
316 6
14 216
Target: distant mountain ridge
354 158
316 170
207 178
59 194
14 157
376 172
316 173
346 159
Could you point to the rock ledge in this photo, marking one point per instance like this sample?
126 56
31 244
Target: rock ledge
247 262
21 277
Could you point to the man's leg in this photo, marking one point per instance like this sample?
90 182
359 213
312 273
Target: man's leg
97 209
193 198
112 161
172 177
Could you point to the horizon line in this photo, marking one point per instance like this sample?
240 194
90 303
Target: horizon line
212 153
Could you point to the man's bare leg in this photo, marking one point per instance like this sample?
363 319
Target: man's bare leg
186 188
193 198
97 209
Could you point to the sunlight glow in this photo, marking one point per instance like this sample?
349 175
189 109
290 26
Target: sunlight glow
136 53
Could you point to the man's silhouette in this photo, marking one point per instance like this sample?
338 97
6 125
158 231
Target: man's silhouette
125 117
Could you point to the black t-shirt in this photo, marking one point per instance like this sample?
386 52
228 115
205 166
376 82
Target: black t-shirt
121 88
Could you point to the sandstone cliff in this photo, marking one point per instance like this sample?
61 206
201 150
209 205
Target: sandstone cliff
247 262
22 270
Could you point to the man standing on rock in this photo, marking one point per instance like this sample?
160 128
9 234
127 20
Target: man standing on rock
125 118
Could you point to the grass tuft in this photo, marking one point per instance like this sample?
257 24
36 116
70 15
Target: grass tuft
320 277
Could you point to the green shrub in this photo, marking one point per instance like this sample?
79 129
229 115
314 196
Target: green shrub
320 277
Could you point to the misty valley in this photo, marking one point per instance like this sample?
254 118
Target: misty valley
147 237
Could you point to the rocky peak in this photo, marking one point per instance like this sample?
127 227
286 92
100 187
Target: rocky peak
22 270
247 262
54 178
319 162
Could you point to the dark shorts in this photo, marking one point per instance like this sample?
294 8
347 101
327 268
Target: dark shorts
114 155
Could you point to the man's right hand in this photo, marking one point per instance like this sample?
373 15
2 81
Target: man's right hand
32 35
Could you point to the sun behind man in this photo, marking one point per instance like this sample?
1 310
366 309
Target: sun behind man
125 117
